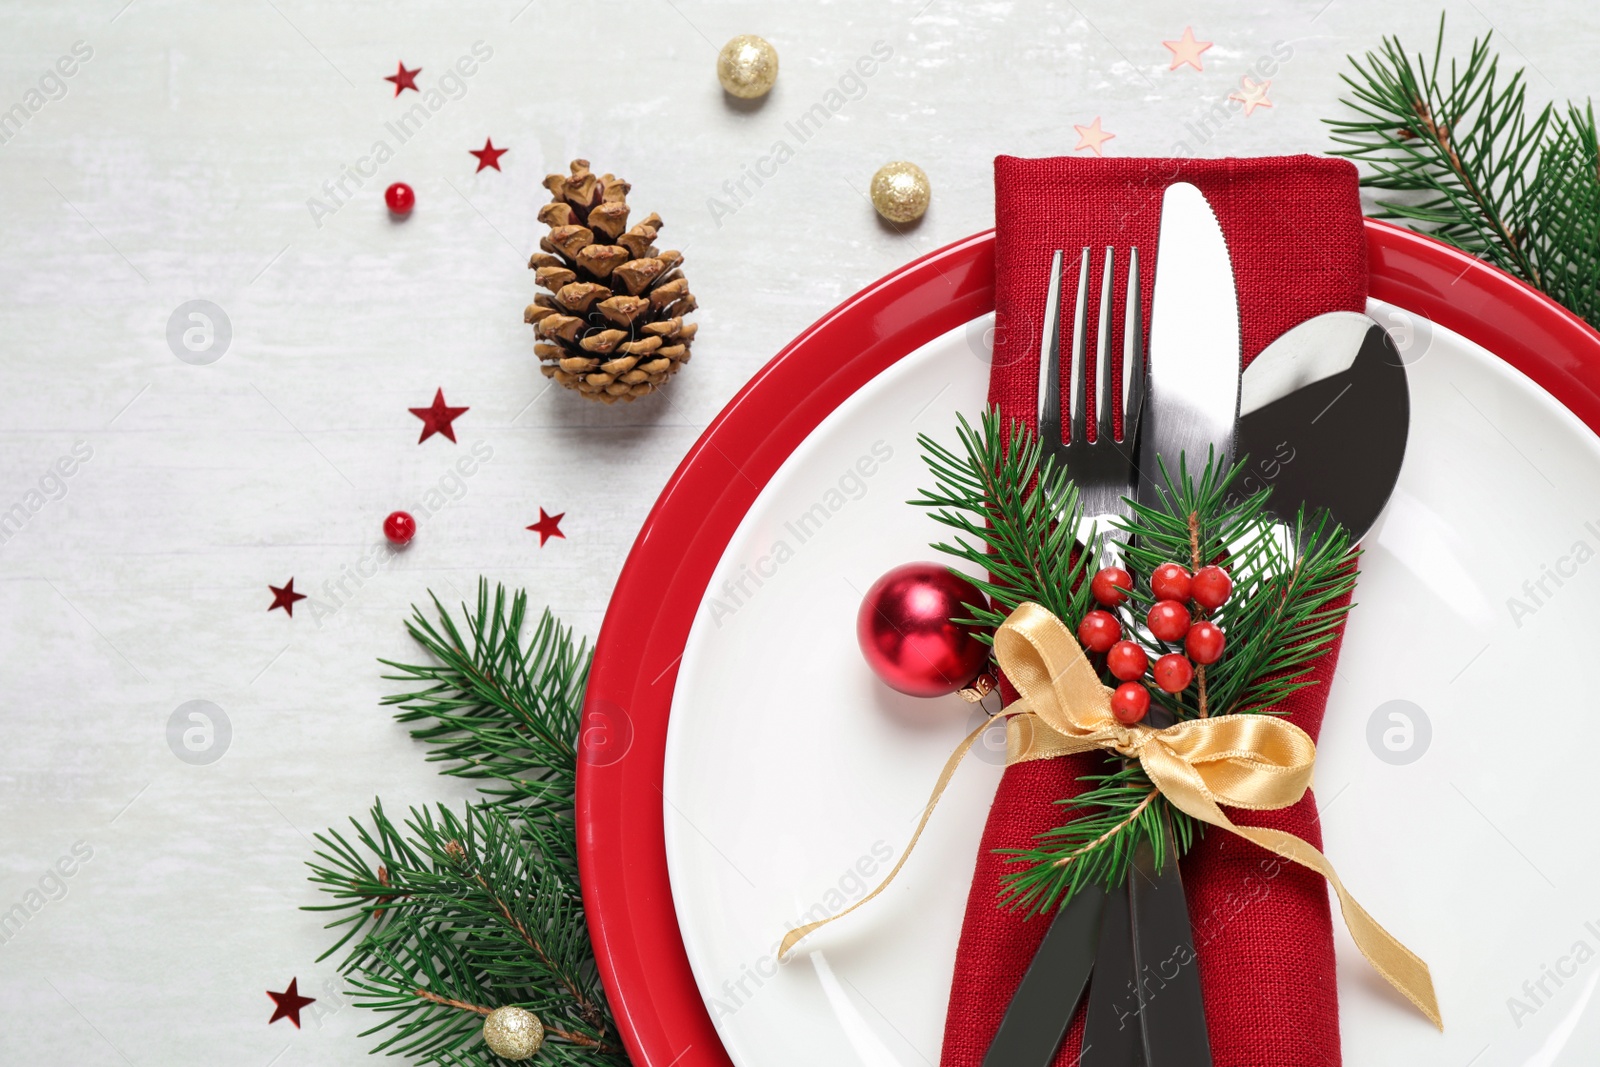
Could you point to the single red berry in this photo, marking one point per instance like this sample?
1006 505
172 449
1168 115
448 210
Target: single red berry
1129 703
1204 643
1127 661
1110 586
1168 620
1211 587
1099 630
399 528
1173 672
1170 582
400 198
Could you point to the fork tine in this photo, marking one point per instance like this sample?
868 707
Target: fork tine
1133 368
1050 363
1080 379
1104 405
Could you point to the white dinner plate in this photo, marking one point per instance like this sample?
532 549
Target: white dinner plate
1453 771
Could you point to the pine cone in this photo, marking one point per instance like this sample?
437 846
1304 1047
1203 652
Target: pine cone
611 326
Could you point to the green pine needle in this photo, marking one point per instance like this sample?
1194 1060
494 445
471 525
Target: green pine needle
1095 844
1016 514
1004 503
453 913
497 706
1476 168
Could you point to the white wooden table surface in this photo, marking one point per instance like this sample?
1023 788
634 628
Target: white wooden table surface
176 163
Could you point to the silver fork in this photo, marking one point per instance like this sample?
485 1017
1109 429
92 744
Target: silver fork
1094 930
1104 469
1117 1029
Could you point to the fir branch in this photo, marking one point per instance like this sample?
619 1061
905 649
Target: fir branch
1566 237
1286 605
474 919
1478 170
452 914
497 707
1017 514
1101 830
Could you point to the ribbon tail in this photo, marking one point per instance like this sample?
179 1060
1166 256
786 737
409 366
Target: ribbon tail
1403 969
945 775
1183 785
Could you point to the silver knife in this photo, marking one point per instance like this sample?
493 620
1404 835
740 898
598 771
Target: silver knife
1191 411
1193 400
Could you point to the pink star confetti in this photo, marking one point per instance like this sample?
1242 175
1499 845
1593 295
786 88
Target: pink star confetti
1252 95
1186 50
1092 137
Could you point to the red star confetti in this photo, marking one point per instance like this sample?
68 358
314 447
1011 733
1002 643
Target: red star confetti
284 598
1187 50
289 1003
1092 137
437 417
488 155
548 526
404 79
1252 95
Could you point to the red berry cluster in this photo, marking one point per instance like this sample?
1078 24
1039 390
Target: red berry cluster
1171 620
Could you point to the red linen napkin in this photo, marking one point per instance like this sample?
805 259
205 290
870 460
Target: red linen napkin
1262 927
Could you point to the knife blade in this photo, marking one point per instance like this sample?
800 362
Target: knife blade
1192 409
1324 414
1193 399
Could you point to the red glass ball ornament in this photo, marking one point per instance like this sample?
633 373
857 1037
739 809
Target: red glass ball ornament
400 198
1127 661
1173 672
1099 630
905 630
1129 703
1110 586
1211 587
1168 620
1170 582
1204 643
399 528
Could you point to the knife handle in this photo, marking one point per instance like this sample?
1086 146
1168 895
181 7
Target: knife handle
1112 1034
1172 1008
1042 1007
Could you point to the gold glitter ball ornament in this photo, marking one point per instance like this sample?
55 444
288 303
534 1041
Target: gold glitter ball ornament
513 1033
900 192
747 66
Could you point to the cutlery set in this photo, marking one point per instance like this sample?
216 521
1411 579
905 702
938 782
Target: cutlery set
1322 416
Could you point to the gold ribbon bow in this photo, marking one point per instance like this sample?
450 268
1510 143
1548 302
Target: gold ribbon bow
1254 762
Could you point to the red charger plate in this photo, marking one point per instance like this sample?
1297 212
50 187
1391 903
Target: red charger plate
622 851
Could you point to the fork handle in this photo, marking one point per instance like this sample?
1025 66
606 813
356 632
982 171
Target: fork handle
1113 547
1042 1007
